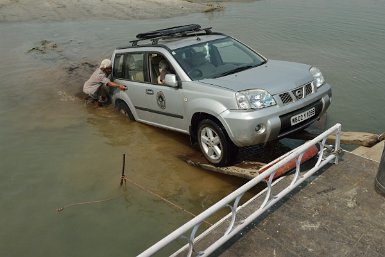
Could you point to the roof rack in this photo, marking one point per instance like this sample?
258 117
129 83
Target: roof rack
178 31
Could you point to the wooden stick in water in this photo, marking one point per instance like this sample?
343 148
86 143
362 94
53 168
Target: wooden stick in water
123 168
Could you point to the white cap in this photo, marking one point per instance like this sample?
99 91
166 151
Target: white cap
106 63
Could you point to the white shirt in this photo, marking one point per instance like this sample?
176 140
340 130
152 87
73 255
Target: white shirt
97 79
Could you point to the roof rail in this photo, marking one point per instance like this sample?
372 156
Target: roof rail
178 31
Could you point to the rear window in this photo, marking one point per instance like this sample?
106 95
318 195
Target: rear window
129 66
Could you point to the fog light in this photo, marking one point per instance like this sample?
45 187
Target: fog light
260 128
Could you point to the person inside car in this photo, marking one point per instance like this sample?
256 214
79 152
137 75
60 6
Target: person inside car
97 85
163 70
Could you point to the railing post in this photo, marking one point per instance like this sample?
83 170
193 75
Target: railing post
337 146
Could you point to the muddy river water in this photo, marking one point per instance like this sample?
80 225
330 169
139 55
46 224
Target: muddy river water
56 150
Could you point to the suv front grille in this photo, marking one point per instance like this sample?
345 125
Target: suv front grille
297 94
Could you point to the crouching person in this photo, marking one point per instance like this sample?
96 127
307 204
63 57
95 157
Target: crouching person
97 85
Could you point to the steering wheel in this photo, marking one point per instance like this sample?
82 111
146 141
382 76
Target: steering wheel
195 73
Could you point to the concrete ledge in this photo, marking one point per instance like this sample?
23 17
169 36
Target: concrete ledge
372 153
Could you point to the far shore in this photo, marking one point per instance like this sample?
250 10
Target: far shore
58 10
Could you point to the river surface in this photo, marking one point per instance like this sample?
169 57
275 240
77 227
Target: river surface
57 151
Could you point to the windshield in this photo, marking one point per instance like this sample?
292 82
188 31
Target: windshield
216 58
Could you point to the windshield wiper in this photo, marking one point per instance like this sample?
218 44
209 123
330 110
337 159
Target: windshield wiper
238 69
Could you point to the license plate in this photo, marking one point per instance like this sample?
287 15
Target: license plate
302 116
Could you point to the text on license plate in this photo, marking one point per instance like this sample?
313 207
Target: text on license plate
302 116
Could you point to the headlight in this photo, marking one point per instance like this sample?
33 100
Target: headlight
317 75
254 99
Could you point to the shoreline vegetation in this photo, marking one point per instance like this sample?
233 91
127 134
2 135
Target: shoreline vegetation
58 10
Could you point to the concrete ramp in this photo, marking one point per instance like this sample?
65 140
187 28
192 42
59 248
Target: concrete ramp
336 213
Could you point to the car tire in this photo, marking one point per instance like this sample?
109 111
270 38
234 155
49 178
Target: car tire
123 108
214 143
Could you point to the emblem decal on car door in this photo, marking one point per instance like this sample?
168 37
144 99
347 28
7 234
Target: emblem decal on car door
161 100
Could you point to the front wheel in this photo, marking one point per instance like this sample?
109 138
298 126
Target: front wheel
124 109
214 143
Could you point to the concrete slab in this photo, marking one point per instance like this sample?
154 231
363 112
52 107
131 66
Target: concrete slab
338 213
372 153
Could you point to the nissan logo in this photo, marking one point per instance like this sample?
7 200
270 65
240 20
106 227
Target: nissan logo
298 93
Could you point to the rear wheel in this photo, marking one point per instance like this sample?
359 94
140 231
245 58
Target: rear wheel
124 109
214 143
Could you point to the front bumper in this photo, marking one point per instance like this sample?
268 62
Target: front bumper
246 128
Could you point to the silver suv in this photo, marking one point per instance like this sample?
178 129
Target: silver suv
214 88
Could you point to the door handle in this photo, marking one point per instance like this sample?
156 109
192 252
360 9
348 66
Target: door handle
149 91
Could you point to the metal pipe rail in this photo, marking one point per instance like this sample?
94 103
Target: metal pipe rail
327 154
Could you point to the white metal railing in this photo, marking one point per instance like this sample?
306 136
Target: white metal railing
327 154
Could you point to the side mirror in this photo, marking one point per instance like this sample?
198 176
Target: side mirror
170 80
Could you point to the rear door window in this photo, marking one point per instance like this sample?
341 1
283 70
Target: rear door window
134 67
